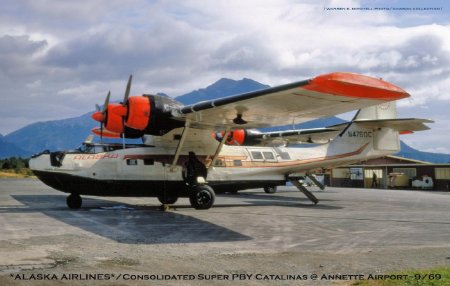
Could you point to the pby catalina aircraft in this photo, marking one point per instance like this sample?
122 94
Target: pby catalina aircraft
196 150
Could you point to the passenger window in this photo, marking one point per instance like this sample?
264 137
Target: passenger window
132 162
268 156
149 161
237 162
257 155
285 156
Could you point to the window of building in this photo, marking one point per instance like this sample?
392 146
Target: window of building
442 173
219 162
341 173
368 173
356 174
132 162
410 172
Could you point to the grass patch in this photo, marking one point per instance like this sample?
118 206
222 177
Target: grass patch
16 173
428 277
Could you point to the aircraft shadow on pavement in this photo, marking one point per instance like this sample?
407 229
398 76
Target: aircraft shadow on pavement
263 199
126 223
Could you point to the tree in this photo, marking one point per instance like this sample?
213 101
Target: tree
6 164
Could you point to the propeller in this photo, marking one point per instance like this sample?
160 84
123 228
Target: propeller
105 105
127 91
124 104
100 116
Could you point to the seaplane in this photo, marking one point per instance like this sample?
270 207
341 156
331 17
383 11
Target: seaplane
214 146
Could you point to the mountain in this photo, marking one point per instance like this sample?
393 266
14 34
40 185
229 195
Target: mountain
52 135
221 88
69 133
8 149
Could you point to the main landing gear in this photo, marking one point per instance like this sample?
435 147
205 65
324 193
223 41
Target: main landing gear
270 189
202 197
74 201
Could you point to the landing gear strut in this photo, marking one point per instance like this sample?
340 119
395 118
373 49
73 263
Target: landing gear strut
202 197
167 200
74 201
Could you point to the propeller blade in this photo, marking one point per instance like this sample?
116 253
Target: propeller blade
101 132
127 91
105 105
97 107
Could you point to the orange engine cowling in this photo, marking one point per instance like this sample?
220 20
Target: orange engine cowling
138 113
113 120
147 114
236 137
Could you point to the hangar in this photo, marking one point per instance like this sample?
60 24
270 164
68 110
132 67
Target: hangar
392 172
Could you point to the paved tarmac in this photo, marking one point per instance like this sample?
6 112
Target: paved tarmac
281 237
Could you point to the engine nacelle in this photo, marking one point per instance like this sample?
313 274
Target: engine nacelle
146 114
240 137
138 112
236 137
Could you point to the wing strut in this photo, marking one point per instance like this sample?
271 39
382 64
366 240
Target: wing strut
180 145
219 148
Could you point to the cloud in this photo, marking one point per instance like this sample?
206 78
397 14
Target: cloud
17 55
58 58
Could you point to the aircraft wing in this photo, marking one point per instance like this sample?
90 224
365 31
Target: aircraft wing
293 103
313 135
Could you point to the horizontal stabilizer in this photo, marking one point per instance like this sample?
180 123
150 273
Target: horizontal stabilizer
403 125
400 124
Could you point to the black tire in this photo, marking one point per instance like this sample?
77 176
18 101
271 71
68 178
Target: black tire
270 189
202 197
74 201
167 199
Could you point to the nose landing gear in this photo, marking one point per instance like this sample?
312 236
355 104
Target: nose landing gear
74 201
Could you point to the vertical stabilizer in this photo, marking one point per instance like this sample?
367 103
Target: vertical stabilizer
387 110
384 138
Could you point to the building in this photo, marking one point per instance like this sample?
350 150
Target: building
392 172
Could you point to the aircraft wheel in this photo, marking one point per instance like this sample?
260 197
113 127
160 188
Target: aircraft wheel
74 201
202 197
167 200
270 189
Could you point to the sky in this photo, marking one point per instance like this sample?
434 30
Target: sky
59 58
